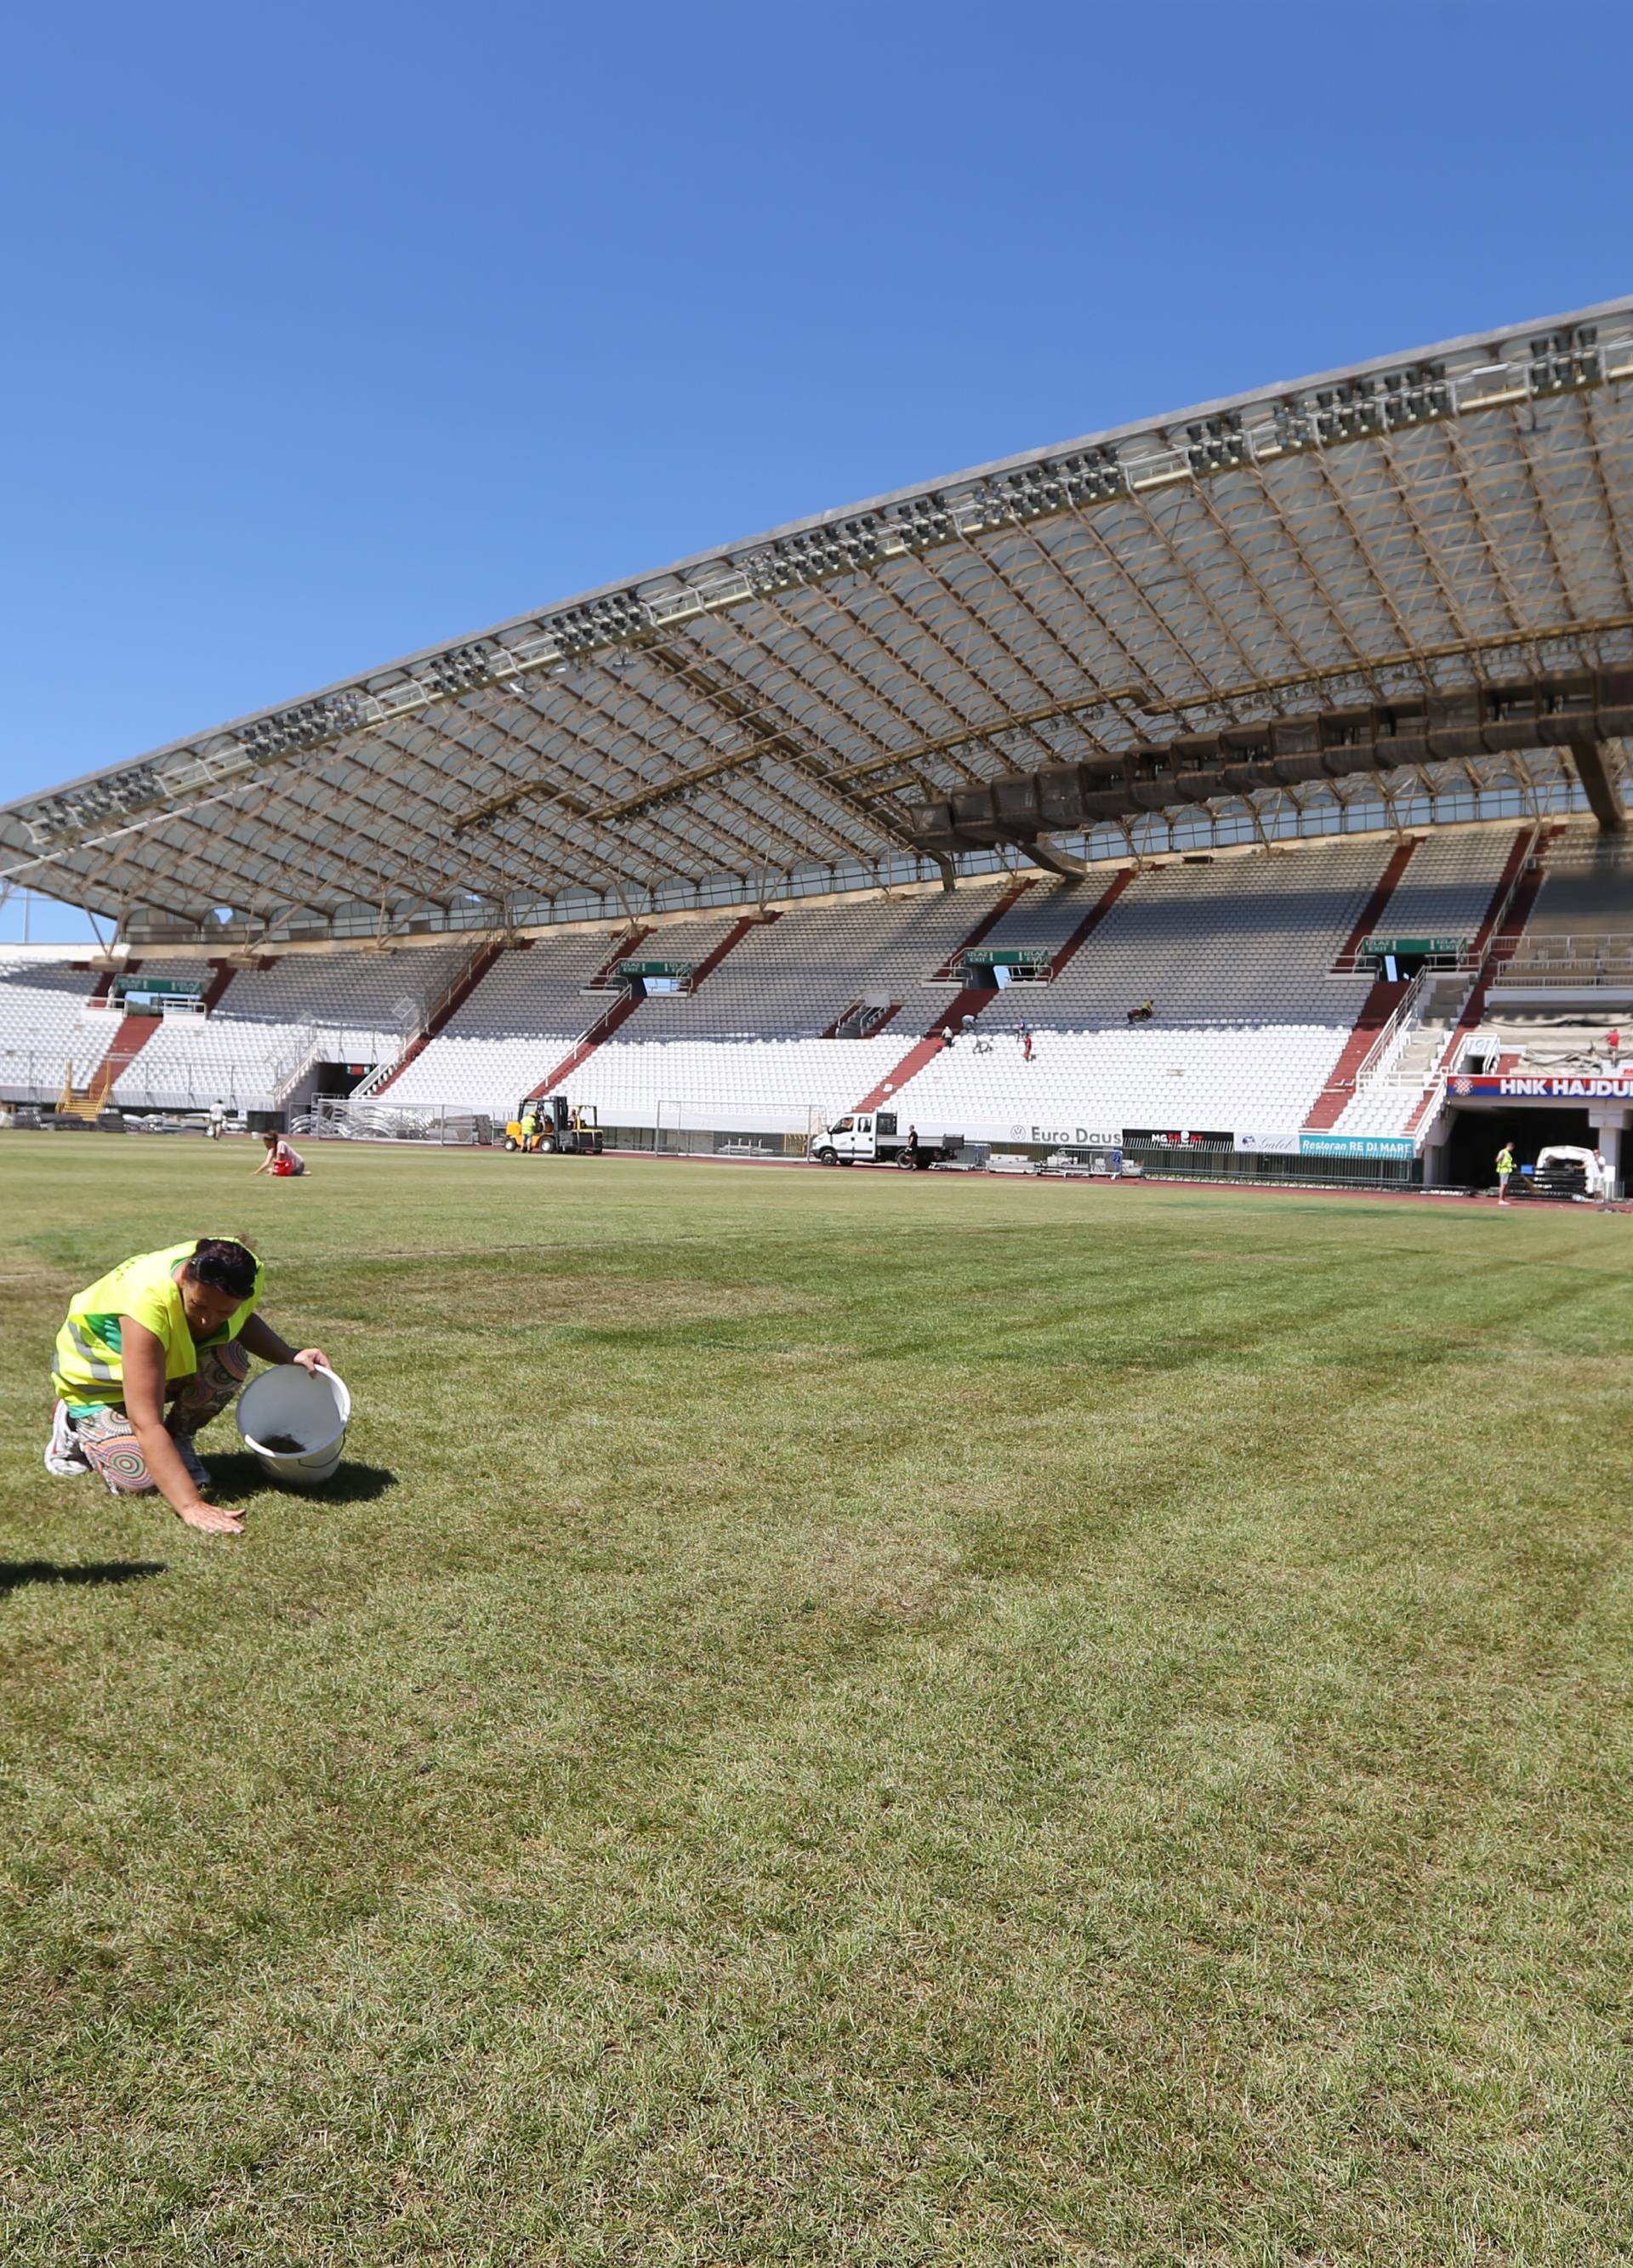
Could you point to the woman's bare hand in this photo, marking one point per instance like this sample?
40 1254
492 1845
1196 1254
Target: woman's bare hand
313 1359
212 1518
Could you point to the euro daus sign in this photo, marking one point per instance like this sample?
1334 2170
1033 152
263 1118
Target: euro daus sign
1067 1137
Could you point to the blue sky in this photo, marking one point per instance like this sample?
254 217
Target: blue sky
338 330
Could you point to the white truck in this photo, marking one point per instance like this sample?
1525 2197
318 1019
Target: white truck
877 1137
1563 1171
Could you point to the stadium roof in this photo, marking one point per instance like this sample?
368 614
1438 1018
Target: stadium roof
772 713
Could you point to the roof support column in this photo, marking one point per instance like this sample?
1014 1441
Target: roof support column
1604 801
1611 1127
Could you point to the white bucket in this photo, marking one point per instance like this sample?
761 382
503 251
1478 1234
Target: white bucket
291 1402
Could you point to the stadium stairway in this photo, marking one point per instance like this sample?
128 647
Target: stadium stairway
98 1089
952 967
969 1002
973 998
1504 923
621 1011
1380 1005
1385 995
1372 911
586 1045
480 964
624 947
135 1032
1074 944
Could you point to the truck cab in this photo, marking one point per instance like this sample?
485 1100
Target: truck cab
855 1136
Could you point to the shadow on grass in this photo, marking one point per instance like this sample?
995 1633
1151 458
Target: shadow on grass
16 1575
239 1474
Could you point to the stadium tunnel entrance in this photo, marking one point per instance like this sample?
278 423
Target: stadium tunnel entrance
334 1079
1476 1135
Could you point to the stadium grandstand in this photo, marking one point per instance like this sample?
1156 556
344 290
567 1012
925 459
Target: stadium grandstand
1246 788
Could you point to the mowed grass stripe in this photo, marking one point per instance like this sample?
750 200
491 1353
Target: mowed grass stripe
879 1719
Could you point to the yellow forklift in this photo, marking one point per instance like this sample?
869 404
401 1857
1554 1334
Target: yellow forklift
569 1130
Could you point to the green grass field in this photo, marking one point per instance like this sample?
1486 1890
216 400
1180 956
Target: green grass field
842 1718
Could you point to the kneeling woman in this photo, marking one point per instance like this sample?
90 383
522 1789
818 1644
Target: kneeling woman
280 1160
148 1356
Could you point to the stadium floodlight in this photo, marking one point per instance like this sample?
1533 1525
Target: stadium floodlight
1563 360
1217 443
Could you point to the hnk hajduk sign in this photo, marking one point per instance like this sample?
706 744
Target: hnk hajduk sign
1488 1086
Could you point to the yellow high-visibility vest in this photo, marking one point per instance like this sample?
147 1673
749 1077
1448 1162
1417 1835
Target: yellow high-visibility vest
89 1361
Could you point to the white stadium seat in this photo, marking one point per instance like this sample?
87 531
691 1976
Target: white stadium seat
1238 957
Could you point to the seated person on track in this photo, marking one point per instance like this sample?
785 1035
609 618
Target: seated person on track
150 1354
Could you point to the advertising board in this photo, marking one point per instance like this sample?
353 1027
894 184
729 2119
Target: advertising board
1169 1138
1530 1086
1058 1137
1357 1145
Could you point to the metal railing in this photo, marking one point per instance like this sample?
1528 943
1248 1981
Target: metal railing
1392 1041
1476 964
1594 958
1383 1058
